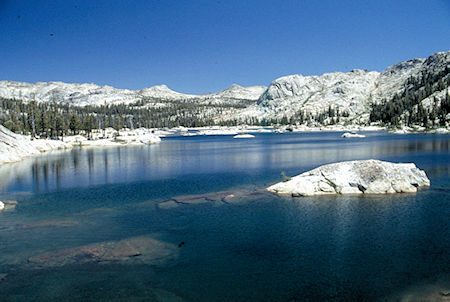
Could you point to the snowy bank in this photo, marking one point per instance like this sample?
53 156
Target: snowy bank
111 137
355 177
14 147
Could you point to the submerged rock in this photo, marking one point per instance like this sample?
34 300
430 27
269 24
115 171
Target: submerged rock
226 197
193 199
438 291
140 249
355 177
7 205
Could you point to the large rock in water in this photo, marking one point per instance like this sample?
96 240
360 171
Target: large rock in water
355 177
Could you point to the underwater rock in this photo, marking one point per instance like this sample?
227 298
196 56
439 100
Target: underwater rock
169 204
193 199
437 292
10 204
233 197
355 177
139 249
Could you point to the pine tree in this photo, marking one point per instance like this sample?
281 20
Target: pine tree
74 124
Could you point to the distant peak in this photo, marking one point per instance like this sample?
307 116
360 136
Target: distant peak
160 87
235 86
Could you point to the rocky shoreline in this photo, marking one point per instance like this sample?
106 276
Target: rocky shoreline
14 147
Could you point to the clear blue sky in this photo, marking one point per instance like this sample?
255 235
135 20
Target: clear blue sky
205 46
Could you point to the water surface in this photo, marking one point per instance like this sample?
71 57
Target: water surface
257 248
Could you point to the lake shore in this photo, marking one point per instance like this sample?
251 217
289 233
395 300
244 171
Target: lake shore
15 147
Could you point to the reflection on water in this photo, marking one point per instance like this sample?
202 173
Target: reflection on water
107 224
292 153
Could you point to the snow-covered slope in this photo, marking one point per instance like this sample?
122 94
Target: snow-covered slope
233 92
351 93
164 92
238 92
91 94
14 147
75 94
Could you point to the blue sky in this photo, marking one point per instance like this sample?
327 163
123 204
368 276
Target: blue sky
205 46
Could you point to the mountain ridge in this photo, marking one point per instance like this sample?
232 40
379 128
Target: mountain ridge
288 96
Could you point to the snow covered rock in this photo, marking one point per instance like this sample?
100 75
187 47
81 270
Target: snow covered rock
350 134
355 177
14 147
244 135
67 93
238 92
113 138
164 92
91 94
352 93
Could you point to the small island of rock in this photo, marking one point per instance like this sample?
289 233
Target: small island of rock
355 177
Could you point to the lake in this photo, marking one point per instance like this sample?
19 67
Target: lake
158 223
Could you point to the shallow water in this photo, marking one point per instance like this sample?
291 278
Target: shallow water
256 247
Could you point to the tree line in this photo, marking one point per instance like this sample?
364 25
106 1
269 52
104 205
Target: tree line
55 119
406 108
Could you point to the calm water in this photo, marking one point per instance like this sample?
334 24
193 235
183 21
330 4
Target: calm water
257 248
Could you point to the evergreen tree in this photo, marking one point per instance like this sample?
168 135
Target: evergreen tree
74 124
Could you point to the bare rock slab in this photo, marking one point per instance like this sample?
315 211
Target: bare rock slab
355 177
141 249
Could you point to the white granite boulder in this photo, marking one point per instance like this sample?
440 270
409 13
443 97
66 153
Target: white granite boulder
352 135
355 177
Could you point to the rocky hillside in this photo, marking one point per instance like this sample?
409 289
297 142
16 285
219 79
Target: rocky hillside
331 97
352 92
91 94
315 94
